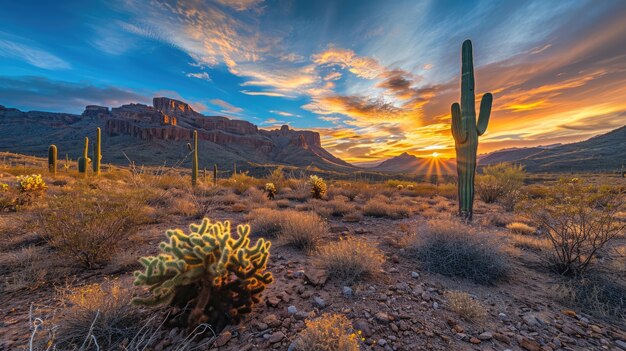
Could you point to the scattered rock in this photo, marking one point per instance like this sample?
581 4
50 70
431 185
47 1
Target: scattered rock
223 338
364 327
271 320
528 344
319 302
415 275
317 277
485 336
346 291
292 309
382 317
474 341
276 337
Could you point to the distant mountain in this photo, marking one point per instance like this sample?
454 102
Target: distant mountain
604 152
410 164
159 134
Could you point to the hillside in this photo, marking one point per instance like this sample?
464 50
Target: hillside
410 164
606 152
158 134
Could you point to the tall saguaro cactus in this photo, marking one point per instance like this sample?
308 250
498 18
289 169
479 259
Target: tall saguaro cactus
97 153
466 131
52 159
194 160
83 161
214 174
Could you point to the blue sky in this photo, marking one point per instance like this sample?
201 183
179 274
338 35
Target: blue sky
374 78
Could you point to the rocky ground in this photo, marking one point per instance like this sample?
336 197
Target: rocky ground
403 307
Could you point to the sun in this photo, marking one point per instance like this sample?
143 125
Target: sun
435 154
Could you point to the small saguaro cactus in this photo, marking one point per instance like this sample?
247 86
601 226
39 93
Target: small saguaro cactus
97 153
214 174
466 131
194 160
52 159
66 165
83 161
212 275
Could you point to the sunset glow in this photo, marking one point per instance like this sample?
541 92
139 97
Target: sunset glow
375 79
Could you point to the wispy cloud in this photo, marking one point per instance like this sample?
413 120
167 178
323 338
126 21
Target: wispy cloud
226 107
13 47
200 75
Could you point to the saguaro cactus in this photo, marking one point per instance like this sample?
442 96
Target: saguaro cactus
97 153
52 159
83 161
214 174
194 159
466 132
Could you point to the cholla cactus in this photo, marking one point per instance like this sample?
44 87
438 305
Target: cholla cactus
400 187
219 275
4 187
270 190
318 187
410 187
31 183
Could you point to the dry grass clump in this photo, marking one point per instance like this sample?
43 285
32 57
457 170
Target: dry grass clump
101 310
597 294
28 270
353 217
241 182
301 230
255 197
380 206
350 259
453 249
465 306
265 222
330 332
521 228
534 243
182 206
87 227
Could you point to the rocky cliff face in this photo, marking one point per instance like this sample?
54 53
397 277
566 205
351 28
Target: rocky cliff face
169 123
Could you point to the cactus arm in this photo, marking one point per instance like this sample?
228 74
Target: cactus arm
97 153
458 131
467 80
485 111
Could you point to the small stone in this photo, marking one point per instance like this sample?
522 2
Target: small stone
223 338
596 329
530 345
415 275
382 342
276 337
273 301
458 329
319 302
317 277
395 259
503 317
292 309
569 313
485 336
346 291
271 320
502 338
364 327
435 305
621 344
474 341
382 317
301 315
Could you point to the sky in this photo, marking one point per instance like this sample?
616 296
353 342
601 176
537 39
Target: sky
374 78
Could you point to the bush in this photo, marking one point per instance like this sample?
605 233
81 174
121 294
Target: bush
301 230
499 180
379 206
213 276
330 332
318 187
465 306
87 228
453 249
579 220
350 259
265 222
105 306
521 228
31 183
597 294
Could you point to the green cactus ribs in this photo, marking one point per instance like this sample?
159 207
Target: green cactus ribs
97 153
52 159
84 160
213 275
466 131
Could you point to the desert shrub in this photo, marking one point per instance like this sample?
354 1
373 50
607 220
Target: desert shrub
270 190
499 180
521 228
301 229
579 220
100 310
8 198
183 206
330 332
380 206
265 222
318 187
454 249
213 275
340 206
596 294
88 228
534 243
350 259
241 182
465 306
28 270
31 183
353 217
277 177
